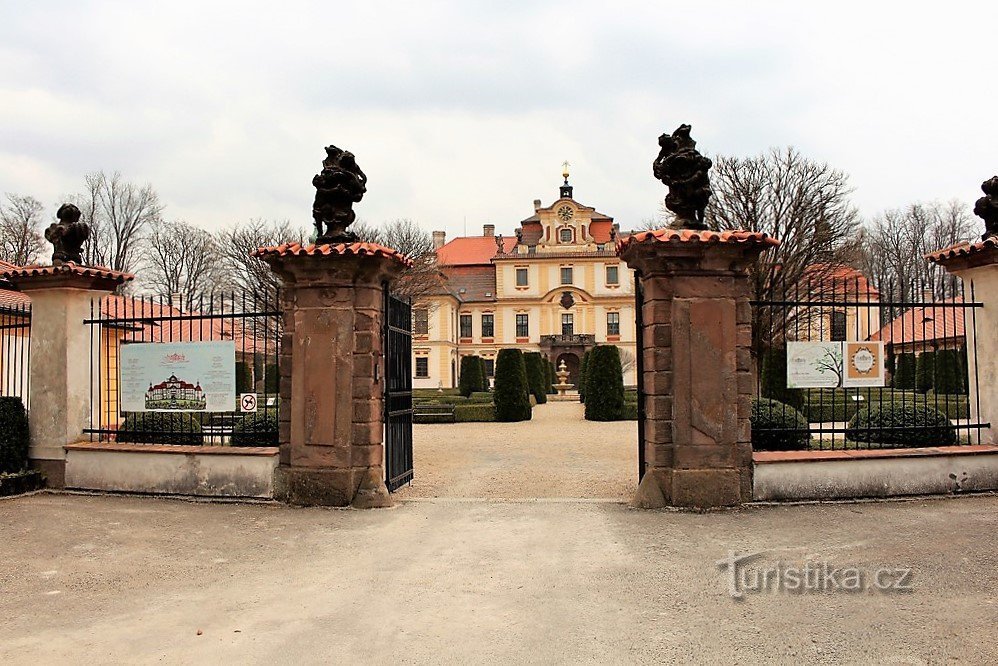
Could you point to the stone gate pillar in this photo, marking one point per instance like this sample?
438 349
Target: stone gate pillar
976 264
331 418
696 353
59 402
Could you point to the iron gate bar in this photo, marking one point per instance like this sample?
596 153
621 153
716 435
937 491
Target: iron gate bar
397 345
639 325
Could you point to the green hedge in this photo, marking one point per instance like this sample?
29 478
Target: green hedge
474 413
433 393
258 429
771 414
244 377
272 379
511 395
925 371
927 427
161 428
774 378
472 375
536 374
904 378
630 412
604 385
13 436
583 369
552 378
955 407
950 372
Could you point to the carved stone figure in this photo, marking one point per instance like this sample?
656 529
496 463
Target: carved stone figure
67 235
338 187
684 171
987 208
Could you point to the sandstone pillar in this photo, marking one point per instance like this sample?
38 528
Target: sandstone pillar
331 417
976 264
59 403
696 352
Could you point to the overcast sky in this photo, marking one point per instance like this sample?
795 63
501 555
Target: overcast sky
465 111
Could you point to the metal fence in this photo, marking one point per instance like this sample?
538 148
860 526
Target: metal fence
927 395
15 349
251 321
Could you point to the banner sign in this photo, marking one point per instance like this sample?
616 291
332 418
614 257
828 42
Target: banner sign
177 377
835 364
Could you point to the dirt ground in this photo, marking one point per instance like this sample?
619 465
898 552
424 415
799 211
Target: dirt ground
555 454
94 580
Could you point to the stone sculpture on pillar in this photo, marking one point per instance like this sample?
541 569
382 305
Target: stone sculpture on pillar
684 171
338 187
67 235
987 208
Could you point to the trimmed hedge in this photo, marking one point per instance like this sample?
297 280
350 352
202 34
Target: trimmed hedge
13 436
630 411
770 414
474 413
955 407
536 374
604 385
925 371
905 376
272 379
950 372
583 369
774 379
552 377
928 427
511 395
244 377
258 429
161 428
471 375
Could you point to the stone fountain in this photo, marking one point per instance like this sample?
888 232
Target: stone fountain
563 386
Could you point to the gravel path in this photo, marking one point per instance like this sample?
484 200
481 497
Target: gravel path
556 454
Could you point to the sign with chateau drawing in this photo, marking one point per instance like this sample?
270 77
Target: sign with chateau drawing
177 377
863 364
814 364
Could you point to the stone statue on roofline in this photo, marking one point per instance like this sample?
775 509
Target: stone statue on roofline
338 187
67 236
987 208
684 170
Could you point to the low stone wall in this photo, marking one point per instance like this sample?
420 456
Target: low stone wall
819 475
204 471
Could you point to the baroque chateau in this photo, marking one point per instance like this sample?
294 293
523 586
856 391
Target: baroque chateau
556 286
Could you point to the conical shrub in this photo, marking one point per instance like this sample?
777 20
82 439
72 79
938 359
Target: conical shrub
536 374
604 385
511 396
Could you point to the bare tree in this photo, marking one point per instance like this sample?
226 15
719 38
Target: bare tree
119 213
423 277
180 258
21 222
236 243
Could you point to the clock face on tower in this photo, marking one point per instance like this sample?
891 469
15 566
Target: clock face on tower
565 213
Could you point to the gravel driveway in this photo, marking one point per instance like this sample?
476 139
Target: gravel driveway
556 454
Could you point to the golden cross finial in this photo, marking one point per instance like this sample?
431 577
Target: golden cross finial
564 170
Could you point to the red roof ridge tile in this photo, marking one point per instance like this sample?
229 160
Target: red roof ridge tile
68 268
667 235
325 249
966 248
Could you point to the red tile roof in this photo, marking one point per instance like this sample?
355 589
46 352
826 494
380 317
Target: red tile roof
357 249
694 236
471 283
925 324
67 269
840 279
472 250
964 249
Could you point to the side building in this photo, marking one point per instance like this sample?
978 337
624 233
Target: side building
556 287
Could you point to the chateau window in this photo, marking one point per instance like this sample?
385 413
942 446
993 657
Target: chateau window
566 275
613 323
466 326
521 277
566 235
488 325
490 367
522 326
422 366
838 326
567 324
421 321
612 275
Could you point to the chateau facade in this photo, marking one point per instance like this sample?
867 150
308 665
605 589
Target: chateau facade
556 287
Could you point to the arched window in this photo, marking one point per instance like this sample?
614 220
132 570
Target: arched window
566 235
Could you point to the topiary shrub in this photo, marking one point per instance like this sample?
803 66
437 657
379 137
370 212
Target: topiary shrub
536 374
604 385
774 379
904 424
583 368
13 436
474 413
949 372
512 398
905 376
161 428
925 371
552 377
777 426
244 377
484 374
471 375
272 379
259 429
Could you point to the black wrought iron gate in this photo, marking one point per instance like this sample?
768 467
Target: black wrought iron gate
639 330
397 346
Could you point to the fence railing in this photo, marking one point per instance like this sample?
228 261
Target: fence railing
926 395
174 411
15 350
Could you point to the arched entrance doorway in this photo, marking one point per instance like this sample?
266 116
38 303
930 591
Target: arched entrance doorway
571 364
